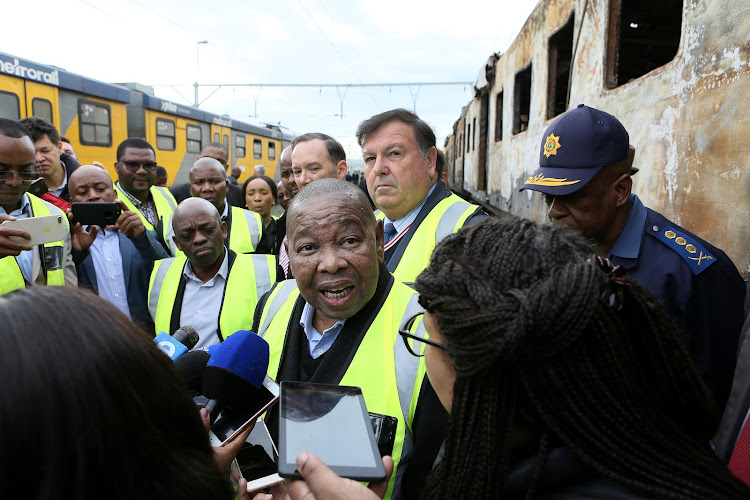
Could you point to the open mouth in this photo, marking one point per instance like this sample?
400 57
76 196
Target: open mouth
338 293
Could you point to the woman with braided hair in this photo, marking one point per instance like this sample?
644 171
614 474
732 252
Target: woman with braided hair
563 379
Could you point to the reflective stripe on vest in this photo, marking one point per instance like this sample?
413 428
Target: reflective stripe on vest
374 366
247 269
247 227
447 217
244 234
164 203
53 254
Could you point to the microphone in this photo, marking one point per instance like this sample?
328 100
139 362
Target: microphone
236 371
191 367
177 344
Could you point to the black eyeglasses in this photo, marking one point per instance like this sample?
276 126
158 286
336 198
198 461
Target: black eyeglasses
26 175
134 166
416 347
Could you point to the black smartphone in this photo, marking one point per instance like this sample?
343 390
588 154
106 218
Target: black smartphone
332 422
38 187
96 213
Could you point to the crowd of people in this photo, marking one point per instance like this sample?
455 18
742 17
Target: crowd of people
588 358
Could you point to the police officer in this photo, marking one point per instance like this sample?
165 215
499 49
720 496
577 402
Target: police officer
338 321
417 210
208 287
585 168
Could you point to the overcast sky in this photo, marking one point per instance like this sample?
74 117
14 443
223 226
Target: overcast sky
281 41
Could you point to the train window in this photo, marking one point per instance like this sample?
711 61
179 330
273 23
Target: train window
9 106
499 117
643 35
225 141
257 149
239 146
165 134
559 55
216 137
41 108
271 151
95 125
468 135
194 138
522 100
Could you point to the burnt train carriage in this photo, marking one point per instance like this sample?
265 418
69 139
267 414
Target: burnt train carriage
92 114
676 73
97 116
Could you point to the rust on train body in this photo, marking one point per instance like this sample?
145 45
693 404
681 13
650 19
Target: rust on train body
688 118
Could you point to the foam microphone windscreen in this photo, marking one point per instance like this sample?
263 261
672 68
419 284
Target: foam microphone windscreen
236 369
187 336
191 366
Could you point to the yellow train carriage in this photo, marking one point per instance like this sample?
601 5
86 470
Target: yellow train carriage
178 133
92 114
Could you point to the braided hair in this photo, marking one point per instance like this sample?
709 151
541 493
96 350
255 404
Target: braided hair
537 343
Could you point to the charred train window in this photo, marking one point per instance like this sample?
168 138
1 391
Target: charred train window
522 100
499 117
560 52
643 35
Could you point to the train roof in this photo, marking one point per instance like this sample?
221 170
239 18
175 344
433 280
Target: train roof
58 77
158 104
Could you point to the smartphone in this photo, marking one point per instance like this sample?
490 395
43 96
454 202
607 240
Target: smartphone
43 229
332 422
231 422
38 187
257 459
96 213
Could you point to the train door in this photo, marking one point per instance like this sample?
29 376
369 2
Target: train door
42 102
12 100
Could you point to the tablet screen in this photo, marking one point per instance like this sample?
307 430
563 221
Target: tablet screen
331 422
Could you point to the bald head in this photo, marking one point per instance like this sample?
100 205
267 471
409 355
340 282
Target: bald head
208 181
346 195
199 233
207 164
89 183
192 207
286 157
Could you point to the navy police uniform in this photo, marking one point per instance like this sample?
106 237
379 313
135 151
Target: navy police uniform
696 282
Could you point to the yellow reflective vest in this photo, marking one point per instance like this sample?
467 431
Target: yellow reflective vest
390 377
163 201
446 218
245 229
250 276
11 277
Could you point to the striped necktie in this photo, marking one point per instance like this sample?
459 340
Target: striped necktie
389 231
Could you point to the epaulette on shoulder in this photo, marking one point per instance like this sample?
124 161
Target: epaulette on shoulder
696 256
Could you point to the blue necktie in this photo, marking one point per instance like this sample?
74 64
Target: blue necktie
390 232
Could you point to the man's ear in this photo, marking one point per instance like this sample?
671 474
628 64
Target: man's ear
224 228
432 159
379 238
177 243
622 187
341 169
